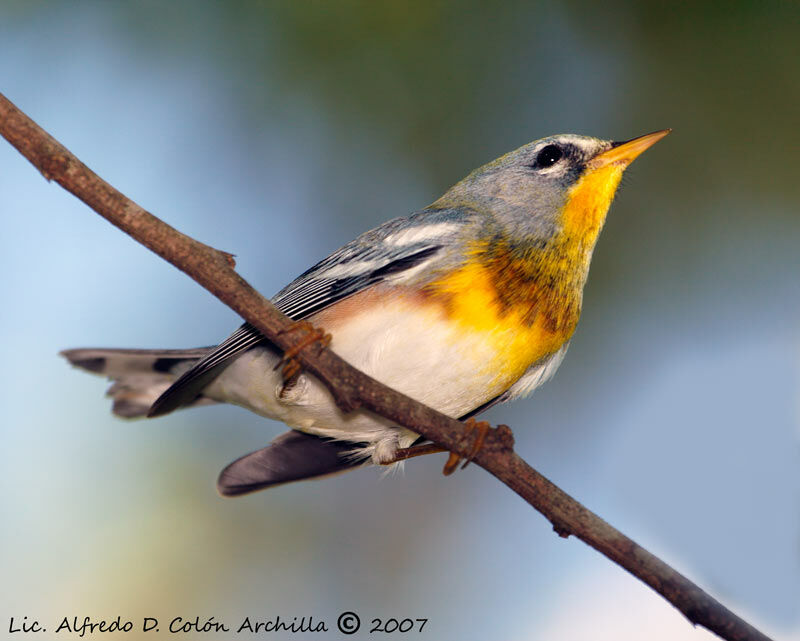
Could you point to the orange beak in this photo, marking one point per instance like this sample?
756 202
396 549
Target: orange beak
624 153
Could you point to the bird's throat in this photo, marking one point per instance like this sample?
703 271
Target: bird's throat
587 204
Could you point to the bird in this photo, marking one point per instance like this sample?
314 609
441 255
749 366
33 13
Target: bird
467 303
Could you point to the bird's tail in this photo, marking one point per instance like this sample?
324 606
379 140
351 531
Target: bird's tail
140 375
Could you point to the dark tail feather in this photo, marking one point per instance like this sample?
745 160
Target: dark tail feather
292 456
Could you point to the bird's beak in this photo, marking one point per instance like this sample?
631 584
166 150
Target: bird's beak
624 153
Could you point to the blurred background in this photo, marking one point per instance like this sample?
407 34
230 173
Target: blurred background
279 131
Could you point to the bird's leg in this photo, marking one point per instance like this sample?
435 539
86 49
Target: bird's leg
291 367
454 459
405 453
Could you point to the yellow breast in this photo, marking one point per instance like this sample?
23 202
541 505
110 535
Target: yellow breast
515 316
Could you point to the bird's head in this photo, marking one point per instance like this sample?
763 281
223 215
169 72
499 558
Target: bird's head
556 188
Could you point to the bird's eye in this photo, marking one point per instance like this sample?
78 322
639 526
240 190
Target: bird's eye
548 157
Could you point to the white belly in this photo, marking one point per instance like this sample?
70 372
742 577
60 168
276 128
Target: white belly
411 349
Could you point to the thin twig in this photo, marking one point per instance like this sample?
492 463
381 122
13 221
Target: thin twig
351 389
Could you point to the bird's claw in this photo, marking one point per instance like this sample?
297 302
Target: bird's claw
291 366
454 459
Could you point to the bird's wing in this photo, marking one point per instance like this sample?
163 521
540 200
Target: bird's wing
396 251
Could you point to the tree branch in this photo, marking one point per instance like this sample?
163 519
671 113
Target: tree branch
351 389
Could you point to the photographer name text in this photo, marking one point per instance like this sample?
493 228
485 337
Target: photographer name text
347 623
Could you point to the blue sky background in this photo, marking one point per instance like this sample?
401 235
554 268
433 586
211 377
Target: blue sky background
278 132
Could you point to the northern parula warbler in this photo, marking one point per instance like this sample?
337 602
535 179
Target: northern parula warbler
467 303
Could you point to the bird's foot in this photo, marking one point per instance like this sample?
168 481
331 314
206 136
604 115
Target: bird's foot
291 366
454 459
483 427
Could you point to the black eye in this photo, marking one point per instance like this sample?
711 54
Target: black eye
548 157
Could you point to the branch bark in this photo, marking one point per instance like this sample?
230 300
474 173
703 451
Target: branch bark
351 389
